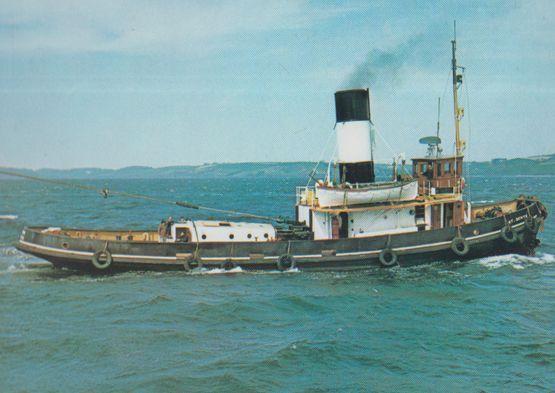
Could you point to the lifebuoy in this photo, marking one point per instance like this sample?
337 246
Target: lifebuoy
508 234
229 265
532 224
285 262
460 246
102 255
388 257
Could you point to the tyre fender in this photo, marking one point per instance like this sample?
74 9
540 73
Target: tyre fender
286 262
508 234
99 256
228 265
460 246
532 224
388 257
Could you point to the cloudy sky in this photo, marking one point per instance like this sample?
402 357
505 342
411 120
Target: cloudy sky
118 83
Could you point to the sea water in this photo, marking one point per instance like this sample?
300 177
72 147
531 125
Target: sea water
484 325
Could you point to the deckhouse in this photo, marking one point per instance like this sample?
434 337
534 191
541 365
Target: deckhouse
354 205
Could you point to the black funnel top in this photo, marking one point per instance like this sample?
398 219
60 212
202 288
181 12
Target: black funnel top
352 105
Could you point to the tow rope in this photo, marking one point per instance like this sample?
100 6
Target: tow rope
105 192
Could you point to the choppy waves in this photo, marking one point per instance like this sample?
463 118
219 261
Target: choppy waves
515 261
14 261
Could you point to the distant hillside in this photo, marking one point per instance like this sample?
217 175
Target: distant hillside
539 165
271 170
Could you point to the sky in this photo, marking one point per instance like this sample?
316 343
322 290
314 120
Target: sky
135 82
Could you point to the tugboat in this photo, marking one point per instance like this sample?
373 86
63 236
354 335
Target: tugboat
346 221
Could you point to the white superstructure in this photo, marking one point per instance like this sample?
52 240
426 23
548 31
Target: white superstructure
221 231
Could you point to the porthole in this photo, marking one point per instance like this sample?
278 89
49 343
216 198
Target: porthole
65 245
231 235
249 236
203 237
265 235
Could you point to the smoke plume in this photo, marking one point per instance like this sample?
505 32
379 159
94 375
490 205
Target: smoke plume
383 68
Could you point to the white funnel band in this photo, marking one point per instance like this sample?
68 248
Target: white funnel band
353 141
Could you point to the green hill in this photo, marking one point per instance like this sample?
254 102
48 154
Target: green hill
541 165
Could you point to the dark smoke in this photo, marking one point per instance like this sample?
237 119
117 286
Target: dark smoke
383 68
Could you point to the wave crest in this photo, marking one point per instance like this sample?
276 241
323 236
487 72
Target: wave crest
515 261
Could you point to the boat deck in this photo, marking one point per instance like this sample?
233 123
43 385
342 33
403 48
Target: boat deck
108 235
479 212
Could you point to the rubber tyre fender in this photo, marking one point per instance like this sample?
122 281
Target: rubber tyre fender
508 234
532 224
286 262
455 246
228 265
388 257
523 238
96 259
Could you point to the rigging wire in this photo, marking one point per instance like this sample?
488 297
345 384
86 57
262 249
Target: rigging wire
384 141
322 153
466 88
445 86
328 174
105 193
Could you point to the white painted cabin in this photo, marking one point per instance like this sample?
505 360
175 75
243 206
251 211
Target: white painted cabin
373 220
221 231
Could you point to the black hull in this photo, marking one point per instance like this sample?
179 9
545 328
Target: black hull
484 238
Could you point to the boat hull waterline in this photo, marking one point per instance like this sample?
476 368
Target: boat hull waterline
480 239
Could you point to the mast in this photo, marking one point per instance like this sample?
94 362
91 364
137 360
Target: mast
438 113
438 149
457 80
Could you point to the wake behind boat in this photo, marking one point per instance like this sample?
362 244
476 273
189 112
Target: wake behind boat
345 221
